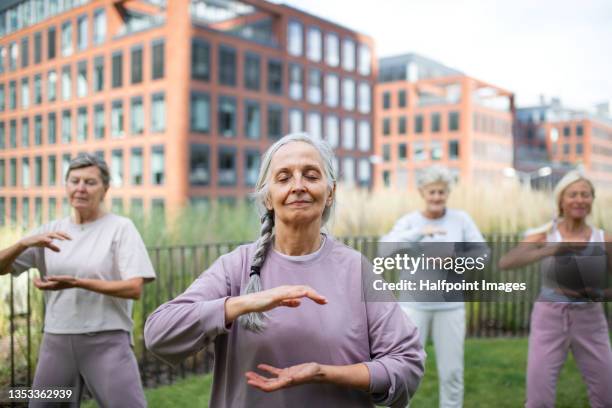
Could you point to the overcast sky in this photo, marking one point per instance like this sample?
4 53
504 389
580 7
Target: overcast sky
552 47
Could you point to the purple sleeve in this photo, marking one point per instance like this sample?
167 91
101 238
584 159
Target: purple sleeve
397 363
183 326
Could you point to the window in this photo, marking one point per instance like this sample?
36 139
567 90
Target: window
435 122
51 86
2 98
566 131
332 130
117 69
52 170
2 180
453 149
158 113
386 126
314 125
386 153
199 165
37 89
348 170
25 172
387 100
136 116
315 90
200 113
13 211
453 121
66 83
252 120
13 56
419 151
579 148
82 124
116 169
99 26
275 121
364 97
136 65
332 50
436 150
418 124
51 128
25 52
296 82
365 57
401 125
158 208
13 134
25 93
38 171
13 172
13 95
25 132
117 119
275 77
2 136
136 208
227 66
332 89
296 121
401 98
251 167
566 148
200 60
348 134
67 39
348 94
25 209
65 165
52 208
364 172
365 137
579 130
157 165
348 54
99 122
136 167
37 130
314 44
158 51
98 74
117 205
66 126
82 79
38 210
82 31
295 39
37 48
51 43
252 71
227 116
227 166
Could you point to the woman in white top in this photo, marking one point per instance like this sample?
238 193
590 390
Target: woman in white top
565 317
92 266
437 223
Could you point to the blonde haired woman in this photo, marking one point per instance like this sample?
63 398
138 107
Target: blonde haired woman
563 319
318 344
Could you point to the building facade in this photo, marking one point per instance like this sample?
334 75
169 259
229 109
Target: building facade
427 113
180 98
550 134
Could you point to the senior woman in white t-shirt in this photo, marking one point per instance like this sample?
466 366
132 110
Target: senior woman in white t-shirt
438 223
92 266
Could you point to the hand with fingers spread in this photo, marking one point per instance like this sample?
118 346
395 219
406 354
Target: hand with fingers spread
45 240
284 377
287 295
56 282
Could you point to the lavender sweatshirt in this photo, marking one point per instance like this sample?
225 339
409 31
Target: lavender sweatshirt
345 331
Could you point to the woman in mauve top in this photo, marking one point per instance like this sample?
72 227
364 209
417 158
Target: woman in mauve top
286 313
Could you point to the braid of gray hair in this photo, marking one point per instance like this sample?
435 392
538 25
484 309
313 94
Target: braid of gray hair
254 321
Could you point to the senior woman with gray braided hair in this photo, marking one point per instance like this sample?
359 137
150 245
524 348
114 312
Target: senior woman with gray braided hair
286 313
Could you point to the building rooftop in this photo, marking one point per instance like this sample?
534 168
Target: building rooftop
412 67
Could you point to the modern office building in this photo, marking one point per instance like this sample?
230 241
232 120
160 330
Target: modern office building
180 97
427 113
550 134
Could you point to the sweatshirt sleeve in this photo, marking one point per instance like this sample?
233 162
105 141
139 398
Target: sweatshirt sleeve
30 258
185 325
397 356
403 231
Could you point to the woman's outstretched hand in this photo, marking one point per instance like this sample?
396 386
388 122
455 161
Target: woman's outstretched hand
45 240
287 295
57 282
284 377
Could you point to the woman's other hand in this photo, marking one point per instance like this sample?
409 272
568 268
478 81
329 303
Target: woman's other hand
284 377
59 282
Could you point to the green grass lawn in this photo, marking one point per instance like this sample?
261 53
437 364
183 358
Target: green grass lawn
494 377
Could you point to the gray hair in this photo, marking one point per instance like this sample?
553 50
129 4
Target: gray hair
255 321
87 160
434 174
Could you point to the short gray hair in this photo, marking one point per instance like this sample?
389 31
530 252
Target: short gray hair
87 160
434 174
255 321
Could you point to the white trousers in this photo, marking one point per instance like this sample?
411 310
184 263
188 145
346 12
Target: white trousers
448 333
